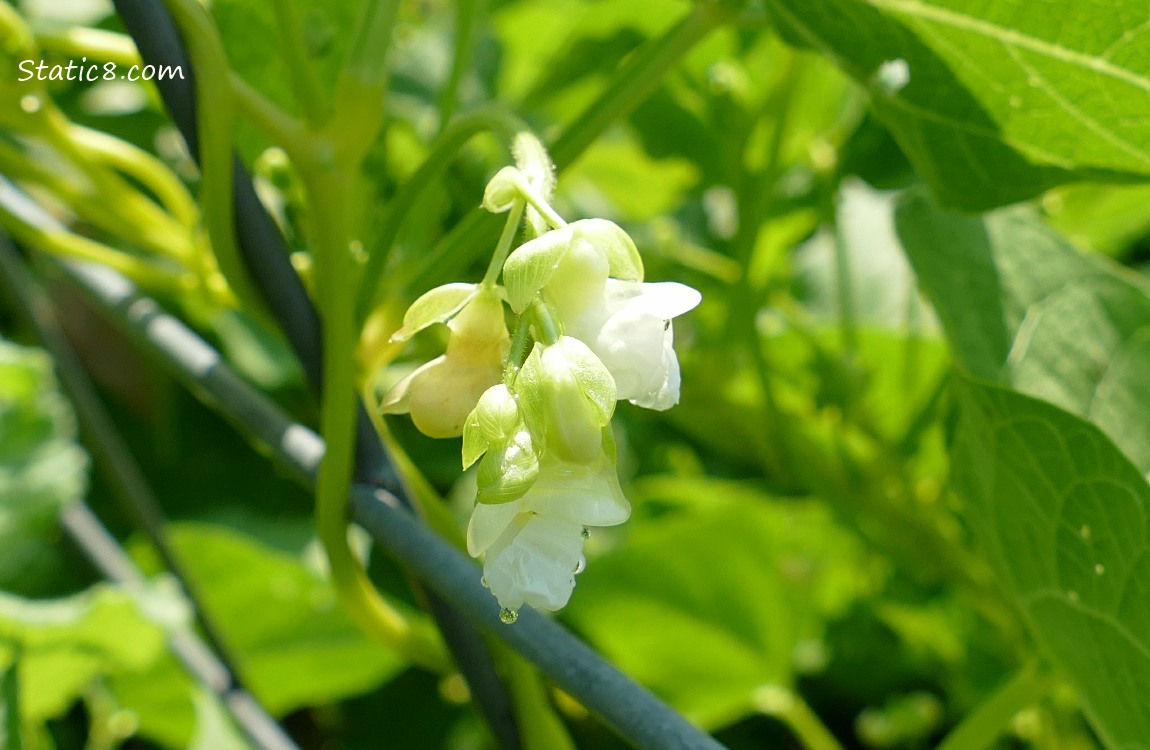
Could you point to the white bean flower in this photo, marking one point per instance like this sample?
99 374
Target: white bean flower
441 393
534 545
590 273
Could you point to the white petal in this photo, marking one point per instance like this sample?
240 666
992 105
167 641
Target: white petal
664 299
633 347
537 565
488 522
663 395
587 495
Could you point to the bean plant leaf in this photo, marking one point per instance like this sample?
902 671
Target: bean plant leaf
666 614
297 648
1058 502
1065 519
995 102
41 467
66 643
1022 307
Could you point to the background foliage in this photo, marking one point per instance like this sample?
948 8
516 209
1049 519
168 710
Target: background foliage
903 501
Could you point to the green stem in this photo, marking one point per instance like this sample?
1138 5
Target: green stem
532 196
300 74
637 79
357 108
990 719
107 216
539 725
335 275
503 247
848 318
504 124
467 13
278 126
142 167
78 42
215 116
64 244
789 707
547 328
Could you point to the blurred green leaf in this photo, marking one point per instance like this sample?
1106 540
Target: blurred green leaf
1024 308
66 643
664 610
10 737
994 102
297 647
41 467
1063 517
1104 218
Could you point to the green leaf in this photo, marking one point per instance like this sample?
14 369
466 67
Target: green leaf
532 264
66 643
994 102
667 614
434 306
297 648
41 467
1024 308
1063 517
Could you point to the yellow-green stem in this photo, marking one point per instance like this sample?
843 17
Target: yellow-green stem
335 280
503 247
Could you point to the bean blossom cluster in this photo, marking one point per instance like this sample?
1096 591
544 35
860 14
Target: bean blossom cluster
534 403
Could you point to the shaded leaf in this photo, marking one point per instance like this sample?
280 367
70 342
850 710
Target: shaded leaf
1065 520
994 102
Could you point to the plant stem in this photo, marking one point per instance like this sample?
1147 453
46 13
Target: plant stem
503 247
79 41
789 707
215 116
532 196
301 75
636 80
467 13
504 124
64 244
278 126
987 722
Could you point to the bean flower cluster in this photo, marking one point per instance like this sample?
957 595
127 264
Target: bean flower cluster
534 404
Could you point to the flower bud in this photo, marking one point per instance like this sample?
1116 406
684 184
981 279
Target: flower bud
502 190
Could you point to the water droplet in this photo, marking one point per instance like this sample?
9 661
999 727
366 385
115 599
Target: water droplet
1084 532
586 533
580 564
1099 569
30 103
483 580
1072 596
508 615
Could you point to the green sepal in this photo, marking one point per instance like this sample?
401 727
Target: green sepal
508 472
435 306
531 266
495 419
623 260
593 377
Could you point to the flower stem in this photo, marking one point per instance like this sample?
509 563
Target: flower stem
983 726
301 76
789 707
503 247
532 196
499 122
